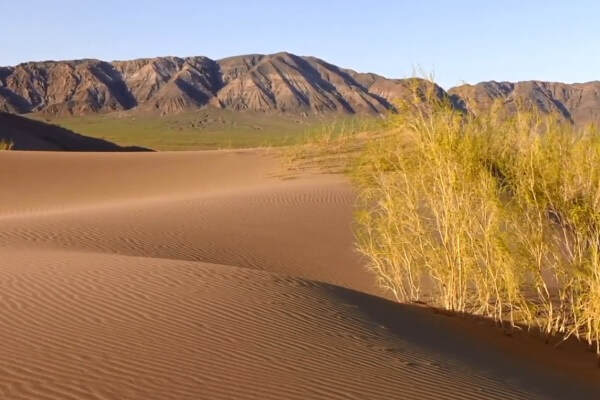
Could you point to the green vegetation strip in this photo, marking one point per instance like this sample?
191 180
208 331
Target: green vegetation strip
204 129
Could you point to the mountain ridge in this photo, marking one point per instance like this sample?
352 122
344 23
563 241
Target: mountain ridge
280 82
577 103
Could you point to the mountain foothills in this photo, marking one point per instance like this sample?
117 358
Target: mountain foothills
282 82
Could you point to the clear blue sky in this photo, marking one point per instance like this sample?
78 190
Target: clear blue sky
468 40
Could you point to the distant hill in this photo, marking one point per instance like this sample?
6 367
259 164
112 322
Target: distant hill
279 82
27 134
578 103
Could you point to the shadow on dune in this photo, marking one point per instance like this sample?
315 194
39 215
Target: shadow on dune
465 343
28 134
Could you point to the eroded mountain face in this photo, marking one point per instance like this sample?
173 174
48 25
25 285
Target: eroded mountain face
280 82
578 103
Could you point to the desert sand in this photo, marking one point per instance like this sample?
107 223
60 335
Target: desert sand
204 275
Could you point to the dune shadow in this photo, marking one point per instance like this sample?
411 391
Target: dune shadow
30 134
449 337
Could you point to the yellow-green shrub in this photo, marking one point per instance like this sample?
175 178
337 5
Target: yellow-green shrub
5 145
497 214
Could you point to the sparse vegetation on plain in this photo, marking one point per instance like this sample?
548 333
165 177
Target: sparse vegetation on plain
205 129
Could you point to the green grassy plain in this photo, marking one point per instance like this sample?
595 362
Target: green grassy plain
203 129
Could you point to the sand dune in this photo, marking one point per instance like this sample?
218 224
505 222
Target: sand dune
203 275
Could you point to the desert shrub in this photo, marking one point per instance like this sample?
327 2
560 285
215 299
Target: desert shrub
4 145
496 214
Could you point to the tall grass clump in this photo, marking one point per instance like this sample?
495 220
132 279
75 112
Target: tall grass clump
4 145
495 214
331 146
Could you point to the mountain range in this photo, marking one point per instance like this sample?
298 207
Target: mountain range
282 83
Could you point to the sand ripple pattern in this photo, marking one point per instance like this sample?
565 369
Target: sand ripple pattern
199 276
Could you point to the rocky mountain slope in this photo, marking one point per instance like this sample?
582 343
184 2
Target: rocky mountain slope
280 82
578 103
27 134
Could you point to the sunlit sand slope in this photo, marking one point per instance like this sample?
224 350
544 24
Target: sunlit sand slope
204 276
